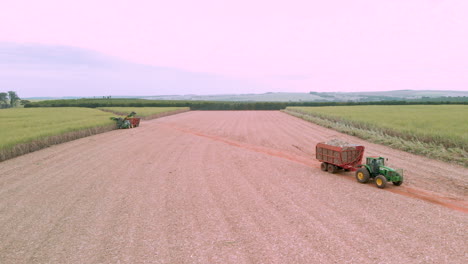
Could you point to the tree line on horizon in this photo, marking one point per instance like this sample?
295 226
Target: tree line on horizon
11 99
217 105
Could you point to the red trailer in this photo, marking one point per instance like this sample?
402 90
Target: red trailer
134 121
339 157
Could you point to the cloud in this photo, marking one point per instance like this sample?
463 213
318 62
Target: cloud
43 55
46 70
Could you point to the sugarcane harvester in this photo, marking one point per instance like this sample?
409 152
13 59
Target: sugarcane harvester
130 121
349 158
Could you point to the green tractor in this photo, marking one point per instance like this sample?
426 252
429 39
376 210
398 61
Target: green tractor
375 168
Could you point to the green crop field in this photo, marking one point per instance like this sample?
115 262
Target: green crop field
26 125
427 126
142 111
20 125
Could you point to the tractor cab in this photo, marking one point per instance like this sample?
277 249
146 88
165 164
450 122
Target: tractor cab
374 164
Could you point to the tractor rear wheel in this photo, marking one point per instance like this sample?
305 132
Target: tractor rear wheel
380 181
323 166
362 175
332 168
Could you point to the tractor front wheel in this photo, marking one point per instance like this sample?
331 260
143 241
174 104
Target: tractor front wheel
323 166
362 175
397 183
380 181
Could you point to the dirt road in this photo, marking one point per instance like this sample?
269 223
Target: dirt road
224 187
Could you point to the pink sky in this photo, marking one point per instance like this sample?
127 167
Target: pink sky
294 45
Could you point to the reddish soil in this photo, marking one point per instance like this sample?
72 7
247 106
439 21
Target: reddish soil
224 187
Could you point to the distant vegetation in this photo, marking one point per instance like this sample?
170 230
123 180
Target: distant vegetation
11 99
396 95
193 105
209 105
311 97
443 99
437 131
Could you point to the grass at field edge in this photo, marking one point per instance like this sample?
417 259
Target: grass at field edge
24 148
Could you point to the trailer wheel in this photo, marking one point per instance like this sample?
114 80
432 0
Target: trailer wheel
380 181
332 168
323 166
362 175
